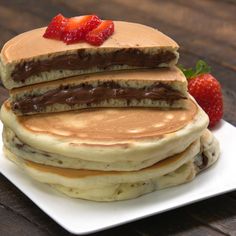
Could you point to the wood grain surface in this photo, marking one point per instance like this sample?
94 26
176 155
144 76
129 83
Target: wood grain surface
204 29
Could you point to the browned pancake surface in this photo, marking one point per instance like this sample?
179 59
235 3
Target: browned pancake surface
109 125
126 35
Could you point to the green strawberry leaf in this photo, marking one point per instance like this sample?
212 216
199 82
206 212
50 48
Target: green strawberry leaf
200 68
187 72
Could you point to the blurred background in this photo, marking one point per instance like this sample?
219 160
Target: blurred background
204 29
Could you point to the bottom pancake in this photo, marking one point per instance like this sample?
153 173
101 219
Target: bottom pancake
124 191
120 185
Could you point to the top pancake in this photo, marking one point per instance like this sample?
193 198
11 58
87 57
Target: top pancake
29 58
31 44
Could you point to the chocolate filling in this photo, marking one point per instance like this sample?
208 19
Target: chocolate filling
84 61
201 161
85 94
204 162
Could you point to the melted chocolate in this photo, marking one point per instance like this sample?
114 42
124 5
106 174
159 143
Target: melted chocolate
87 94
204 162
201 161
84 61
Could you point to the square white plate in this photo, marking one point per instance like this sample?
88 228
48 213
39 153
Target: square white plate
83 217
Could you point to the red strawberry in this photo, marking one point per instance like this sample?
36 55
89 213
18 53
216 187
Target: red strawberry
206 90
77 27
55 27
101 33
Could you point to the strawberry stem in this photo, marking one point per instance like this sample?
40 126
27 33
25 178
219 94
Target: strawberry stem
200 68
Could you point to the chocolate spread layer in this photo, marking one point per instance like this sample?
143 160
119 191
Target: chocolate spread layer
84 61
201 162
87 94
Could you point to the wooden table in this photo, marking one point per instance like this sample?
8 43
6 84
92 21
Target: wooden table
204 29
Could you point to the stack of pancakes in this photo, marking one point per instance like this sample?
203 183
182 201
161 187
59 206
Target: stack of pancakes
103 123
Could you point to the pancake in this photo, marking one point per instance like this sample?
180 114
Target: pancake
118 185
210 151
165 87
85 181
118 139
30 58
26 152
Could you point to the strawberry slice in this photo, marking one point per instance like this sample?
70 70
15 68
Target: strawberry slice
98 35
56 27
77 27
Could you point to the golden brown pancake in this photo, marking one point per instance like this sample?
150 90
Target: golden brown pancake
163 87
30 58
112 125
107 139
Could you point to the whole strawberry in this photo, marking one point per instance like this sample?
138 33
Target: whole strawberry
206 90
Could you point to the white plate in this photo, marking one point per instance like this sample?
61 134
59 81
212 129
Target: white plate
82 217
